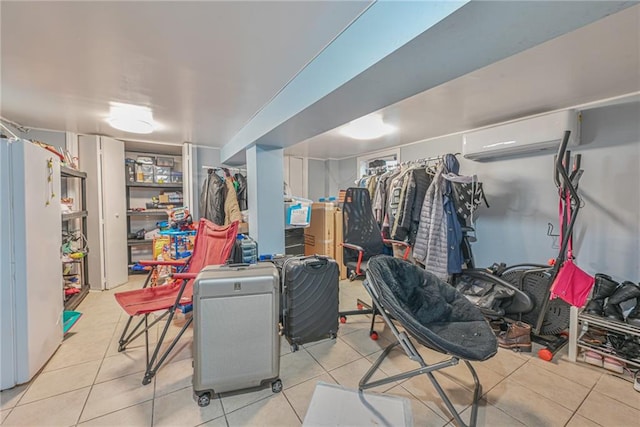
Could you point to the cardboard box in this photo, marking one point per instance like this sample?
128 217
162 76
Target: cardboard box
243 228
319 237
338 250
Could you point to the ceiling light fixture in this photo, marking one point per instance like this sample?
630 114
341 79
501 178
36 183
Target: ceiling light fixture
131 118
367 127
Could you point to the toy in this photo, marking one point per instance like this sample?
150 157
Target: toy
180 219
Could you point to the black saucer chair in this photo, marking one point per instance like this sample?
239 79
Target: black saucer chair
436 316
362 240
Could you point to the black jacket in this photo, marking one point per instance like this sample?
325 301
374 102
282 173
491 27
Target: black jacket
212 197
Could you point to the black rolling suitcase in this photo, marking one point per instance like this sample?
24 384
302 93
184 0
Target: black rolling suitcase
310 299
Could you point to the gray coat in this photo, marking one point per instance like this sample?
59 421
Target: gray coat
431 242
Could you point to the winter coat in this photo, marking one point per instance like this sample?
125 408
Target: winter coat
393 201
242 191
414 191
454 230
212 198
231 208
371 186
431 242
380 197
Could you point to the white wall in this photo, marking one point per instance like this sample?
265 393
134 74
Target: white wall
523 197
328 177
316 171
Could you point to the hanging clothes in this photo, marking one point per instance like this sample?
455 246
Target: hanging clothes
396 205
371 185
231 208
454 229
212 198
394 196
241 191
386 222
414 190
431 242
380 197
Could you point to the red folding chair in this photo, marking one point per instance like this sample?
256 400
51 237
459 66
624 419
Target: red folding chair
212 246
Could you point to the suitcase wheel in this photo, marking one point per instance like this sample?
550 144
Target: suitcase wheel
373 335
343 319
294 347
204 400
276 386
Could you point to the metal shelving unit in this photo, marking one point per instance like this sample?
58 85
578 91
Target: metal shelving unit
73 215
154 185
80 265
138 242
147 213
155 215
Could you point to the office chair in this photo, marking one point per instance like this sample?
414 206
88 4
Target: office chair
362 240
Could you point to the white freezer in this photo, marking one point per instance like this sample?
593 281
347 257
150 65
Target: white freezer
31 297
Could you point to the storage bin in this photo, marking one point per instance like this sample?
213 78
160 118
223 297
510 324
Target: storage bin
162 174
176 177
249 249
130 172
144 173
164 161
298 212
145 160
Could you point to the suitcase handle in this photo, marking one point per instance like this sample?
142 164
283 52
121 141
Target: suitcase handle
320 259
237 265
315 262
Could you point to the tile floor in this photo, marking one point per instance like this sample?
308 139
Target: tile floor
87 382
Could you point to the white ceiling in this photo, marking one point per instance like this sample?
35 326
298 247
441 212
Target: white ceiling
598 61
204 68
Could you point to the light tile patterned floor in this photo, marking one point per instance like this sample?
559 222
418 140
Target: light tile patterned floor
87 382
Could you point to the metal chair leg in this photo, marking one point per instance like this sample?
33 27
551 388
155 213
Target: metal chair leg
407 345
152 365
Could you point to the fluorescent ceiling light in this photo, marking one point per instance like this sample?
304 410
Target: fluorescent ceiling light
367 127
131 118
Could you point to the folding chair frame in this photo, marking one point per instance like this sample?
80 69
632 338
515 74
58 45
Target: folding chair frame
156 360
411 351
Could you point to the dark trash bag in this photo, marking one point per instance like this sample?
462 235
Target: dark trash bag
432 311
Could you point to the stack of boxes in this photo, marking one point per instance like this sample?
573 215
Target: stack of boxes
324 234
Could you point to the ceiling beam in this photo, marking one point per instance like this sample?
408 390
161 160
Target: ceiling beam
383 28
395 50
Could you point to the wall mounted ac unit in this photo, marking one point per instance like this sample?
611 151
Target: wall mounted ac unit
540 133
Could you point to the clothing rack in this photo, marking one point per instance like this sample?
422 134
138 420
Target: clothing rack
423 160
224 167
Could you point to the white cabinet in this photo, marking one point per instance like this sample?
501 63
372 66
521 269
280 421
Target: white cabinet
102 159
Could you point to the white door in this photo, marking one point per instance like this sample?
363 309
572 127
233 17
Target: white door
114 212
295 175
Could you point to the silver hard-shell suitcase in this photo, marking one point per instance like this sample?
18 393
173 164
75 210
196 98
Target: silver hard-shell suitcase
236 343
